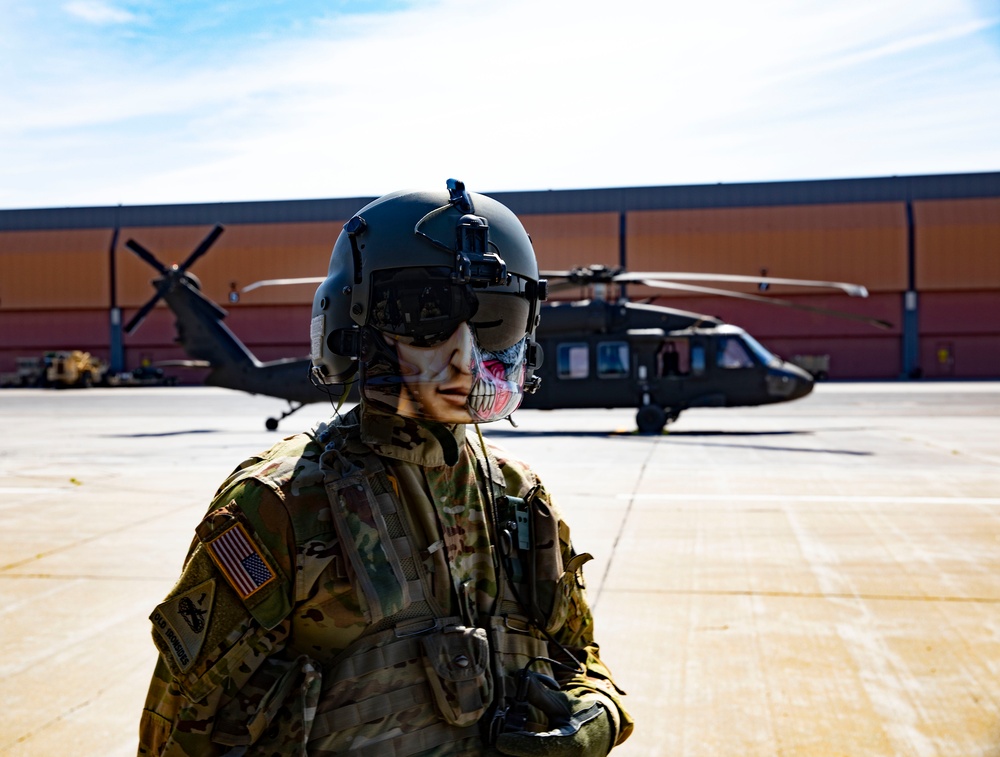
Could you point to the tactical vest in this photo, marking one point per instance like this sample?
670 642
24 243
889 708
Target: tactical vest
415 681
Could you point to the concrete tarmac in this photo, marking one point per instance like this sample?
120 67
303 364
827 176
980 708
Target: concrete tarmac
815 578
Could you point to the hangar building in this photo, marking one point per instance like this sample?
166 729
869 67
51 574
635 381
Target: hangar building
926 247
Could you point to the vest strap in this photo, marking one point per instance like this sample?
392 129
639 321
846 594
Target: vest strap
408 744
355 664
375 708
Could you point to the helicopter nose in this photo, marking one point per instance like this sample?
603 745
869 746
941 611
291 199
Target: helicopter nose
789 382
804 384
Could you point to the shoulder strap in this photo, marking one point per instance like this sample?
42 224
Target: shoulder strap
365 539
512 525
370 527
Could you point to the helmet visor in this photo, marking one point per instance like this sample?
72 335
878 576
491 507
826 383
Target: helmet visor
501 319
421 305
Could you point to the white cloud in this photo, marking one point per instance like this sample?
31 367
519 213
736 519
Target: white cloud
98 12
518 95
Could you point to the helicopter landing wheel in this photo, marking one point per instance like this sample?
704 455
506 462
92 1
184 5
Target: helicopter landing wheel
651 419
272 423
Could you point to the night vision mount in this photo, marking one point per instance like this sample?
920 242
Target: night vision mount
476 264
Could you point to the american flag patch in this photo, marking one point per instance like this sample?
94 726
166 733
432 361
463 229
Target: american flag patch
240 560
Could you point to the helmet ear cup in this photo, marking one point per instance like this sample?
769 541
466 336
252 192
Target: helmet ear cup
333 348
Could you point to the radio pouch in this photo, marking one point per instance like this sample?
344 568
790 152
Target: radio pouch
457 659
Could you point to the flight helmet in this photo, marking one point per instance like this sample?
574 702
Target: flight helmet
431 302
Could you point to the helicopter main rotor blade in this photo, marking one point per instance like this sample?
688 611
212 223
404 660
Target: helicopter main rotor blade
146 255
876 322
594 274
202 248
854 290
284 282
564 286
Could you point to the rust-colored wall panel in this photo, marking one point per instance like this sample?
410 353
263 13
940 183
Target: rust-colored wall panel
860 243
38 331
568 240
243 254
960 313
874 357
957 244
958 356
32 333
285 328
54 269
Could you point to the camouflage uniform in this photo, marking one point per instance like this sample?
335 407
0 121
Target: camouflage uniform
380 626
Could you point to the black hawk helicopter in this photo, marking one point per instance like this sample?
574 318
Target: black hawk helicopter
611 352
599 352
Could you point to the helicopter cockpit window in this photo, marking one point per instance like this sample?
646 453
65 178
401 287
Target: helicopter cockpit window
763 354
732 353
612 359
573 360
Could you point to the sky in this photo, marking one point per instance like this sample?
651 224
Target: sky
107 102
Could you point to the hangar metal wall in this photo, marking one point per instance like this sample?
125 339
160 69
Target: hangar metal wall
846 242
58 270
958 242
938 236
70 269
957 277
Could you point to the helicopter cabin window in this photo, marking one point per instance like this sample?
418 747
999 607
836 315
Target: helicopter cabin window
673 358
573 360
697 359
732 353
612 359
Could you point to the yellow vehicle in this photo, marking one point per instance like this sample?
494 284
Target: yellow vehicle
74 368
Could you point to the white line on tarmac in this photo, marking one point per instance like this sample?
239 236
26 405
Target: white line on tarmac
33 489
817 498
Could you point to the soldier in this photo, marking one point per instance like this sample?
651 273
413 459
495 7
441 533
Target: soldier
389 583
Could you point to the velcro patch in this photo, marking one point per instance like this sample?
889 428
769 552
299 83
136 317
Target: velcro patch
180 623
241 561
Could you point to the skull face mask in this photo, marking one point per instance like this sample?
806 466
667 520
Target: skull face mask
437 351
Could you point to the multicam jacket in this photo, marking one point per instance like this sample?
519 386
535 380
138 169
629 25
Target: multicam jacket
344 596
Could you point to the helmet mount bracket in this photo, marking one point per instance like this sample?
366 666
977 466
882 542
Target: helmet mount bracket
477 261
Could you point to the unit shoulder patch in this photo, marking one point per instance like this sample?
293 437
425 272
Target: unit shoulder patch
179 624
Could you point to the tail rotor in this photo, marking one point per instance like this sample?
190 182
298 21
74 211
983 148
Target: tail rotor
170 276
